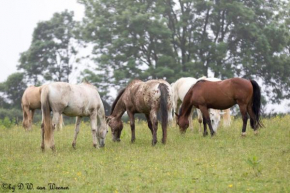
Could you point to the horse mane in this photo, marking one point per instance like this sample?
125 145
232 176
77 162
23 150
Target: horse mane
117 99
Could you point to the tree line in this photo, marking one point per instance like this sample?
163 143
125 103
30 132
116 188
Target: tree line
166 39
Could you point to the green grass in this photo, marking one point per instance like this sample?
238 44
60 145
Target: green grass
187 163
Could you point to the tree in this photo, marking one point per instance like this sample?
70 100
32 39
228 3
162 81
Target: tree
12 90
155 39
53 50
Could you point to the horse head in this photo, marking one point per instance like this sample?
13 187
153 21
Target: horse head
116 127
101 135
182 122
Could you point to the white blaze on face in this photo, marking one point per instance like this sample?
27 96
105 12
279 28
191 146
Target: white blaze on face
215 118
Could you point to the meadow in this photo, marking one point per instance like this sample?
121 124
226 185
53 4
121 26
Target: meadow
226 162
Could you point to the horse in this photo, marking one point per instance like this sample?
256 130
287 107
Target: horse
30 102
181 87
222 95
142 97
215 115
81 100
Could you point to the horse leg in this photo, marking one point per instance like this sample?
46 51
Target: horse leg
149 123
25 122
205 133
206 120
177 111
243 110
31 118
77 129
55 119
199 117
153 118
227 118
94 129
59 124
132 125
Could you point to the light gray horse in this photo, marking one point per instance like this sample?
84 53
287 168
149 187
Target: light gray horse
82 100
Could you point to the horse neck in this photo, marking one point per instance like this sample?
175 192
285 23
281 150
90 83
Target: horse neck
186 107
119 109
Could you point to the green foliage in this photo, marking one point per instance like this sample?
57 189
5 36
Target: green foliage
254 163
157 39
15 115
187 163
12 90
53 50
6 123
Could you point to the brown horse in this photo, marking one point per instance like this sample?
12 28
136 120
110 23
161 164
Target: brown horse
30 102
142 97
222 95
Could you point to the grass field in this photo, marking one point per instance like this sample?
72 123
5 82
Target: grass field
188 163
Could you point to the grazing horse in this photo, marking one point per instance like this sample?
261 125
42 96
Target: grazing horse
222 95
181 87
81 100
142 97
30 102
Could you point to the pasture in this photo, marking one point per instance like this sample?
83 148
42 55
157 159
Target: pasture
226 162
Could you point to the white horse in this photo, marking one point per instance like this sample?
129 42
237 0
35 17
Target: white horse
180 88
81 100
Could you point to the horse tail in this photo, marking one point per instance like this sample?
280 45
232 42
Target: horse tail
46 119
227 118
163 104
256 106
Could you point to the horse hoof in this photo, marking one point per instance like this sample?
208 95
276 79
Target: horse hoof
95 145
42 148
74 145
53 148
205 134
244 134
256 132
154 143
132 140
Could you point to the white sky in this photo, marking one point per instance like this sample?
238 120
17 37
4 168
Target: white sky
18 18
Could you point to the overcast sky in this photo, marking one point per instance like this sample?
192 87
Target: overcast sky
18 18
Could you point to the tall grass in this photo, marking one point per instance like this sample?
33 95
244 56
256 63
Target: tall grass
226 162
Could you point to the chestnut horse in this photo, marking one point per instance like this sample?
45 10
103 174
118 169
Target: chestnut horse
181 87
30 102
142 97
81 100
223 95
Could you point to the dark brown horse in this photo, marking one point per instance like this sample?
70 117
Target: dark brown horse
222 95
142 97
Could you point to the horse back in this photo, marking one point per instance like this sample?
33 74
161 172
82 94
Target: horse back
74 100
141 97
